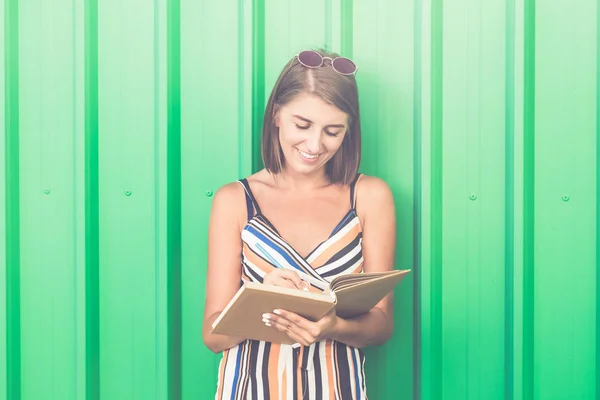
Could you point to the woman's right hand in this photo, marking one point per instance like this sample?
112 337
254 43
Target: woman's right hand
285 278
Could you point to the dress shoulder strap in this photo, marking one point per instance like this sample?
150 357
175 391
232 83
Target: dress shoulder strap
251 204
353 191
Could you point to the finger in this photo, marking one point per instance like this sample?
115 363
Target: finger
295 319
285 283
311 328
304 286
297 339
278 281
293 331
303 339
292 276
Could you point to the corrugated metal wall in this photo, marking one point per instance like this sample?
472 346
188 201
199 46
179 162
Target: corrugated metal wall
121 119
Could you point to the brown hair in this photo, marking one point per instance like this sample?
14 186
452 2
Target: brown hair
333 88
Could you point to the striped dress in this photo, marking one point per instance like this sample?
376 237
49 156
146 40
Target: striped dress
325 370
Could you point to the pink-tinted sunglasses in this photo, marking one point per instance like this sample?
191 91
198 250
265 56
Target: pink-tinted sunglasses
341 65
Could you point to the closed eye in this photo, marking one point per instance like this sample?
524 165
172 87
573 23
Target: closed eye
305 127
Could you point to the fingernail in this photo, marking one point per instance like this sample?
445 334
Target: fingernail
276 312
305 289
266 316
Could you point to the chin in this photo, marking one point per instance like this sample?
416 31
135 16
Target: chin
305 169
298 165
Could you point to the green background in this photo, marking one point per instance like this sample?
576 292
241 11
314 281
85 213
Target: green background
120 119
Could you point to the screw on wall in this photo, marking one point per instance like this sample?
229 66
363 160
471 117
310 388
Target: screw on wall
209 193
47 191
473 196
128 192
566 198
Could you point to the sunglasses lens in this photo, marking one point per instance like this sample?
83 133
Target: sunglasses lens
310 58
344 66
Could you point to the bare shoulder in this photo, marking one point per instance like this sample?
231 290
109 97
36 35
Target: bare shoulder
229 204
374 199
372 191
229 194
261 178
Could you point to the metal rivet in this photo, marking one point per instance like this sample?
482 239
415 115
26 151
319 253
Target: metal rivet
47 191
566 198
128 193
209 193
473 196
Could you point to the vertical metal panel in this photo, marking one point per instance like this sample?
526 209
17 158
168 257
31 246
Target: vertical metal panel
171 353
132 198
564 206
509 193
49 201
386 91
81 360
11 141
46 132
216 126
473 193
91 221
3 209
597 197
258 78
515 143
528 196
429 221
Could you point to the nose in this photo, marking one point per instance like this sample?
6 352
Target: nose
313 142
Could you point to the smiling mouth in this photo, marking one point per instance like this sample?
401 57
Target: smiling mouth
308 156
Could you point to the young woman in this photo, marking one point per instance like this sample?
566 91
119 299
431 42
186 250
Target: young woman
306 218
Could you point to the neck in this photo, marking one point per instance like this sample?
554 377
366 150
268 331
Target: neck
287 179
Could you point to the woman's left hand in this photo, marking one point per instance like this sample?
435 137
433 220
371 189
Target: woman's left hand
300 329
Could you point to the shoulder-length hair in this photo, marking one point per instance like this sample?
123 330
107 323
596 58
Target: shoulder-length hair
333 88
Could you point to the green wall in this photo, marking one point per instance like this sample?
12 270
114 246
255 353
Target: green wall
122 118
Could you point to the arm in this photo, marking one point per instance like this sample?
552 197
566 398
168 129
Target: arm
376 207
224 261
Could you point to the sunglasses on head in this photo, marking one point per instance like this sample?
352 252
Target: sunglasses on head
312 59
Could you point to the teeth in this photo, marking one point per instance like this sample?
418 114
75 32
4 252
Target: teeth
309 156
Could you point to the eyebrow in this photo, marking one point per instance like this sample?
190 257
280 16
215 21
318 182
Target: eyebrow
327 126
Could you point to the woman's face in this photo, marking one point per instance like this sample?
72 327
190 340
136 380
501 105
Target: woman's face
310 132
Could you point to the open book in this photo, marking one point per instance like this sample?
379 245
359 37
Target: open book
351 295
